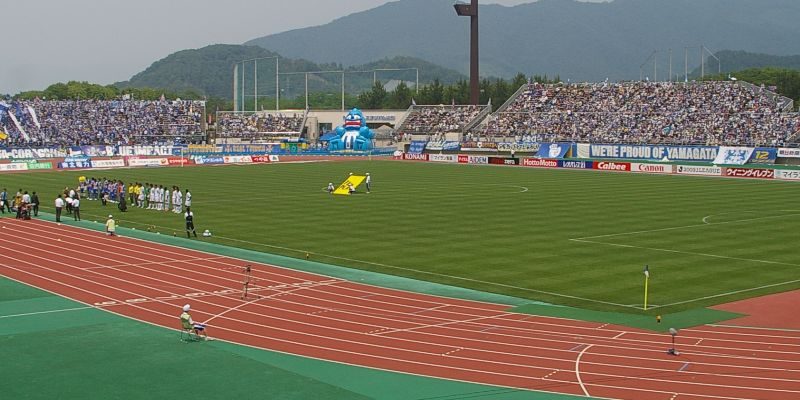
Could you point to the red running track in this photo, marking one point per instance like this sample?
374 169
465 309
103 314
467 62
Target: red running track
348 322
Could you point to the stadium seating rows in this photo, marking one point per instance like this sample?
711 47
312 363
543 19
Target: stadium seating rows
708 113
42 123
258 125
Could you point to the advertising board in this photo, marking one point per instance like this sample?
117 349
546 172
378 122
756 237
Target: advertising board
539 163
698 170
447 158
651 168
750 173
415 157
612 166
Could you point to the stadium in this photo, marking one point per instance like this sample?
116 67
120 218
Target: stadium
603 240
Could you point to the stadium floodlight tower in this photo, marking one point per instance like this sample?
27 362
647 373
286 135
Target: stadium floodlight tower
471 11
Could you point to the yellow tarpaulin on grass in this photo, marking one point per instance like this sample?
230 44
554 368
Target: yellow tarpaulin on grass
354 180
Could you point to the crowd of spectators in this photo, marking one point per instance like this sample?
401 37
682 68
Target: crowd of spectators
102 122
258 125
708 113
426 120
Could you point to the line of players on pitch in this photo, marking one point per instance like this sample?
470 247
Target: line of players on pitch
141 195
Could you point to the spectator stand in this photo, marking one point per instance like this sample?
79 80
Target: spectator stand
259 126
433 120
705 113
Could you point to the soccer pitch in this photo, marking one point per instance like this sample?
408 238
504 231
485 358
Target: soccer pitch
578 238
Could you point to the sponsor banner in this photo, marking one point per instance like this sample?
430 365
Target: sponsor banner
39 165
128 151
612 166
14 167
763 155
462 159
477 160
554 150
448 158
698 170
539 162
788 153
584 150
479 146
274 158
503 161
787 175
261 158
415 157
522 147
178 161
649 152
113 163
417 146
651 168
750 173
147 162
434 145
85 163
733 155
204 160
237 159
6 154
575 164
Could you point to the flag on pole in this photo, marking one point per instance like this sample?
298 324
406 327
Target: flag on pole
646 281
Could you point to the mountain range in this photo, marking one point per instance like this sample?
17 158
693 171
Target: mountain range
576 40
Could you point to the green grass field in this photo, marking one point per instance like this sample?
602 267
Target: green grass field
568 237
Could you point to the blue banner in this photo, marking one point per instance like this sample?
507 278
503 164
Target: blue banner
417 146
85 163
208 160
248 148
763 155
451 146
553 150
653 152
575 164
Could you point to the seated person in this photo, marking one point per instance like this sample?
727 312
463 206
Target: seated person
351 188
188 324
330 188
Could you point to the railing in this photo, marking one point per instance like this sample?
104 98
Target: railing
477 120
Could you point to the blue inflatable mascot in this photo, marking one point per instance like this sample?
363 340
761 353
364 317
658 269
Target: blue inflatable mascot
353 135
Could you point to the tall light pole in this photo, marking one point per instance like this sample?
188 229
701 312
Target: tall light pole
471 11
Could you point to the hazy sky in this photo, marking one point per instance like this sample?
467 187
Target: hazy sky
105 41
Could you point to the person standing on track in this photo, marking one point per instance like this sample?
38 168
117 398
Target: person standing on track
246 283
35 204
59 206
369 182
111 226
4 201
189 215
76 208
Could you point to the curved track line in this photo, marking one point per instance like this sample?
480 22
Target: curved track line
578 370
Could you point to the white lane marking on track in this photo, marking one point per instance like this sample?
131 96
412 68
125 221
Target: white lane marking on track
578 370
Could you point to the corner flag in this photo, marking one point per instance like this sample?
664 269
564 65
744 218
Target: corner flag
646 281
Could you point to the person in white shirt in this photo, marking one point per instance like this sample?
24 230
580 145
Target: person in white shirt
76 209
26 198
167 199
178 200
188 201
59 206
369 182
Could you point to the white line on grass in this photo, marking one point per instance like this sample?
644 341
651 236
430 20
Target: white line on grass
685 226
685 252
44 312
730 293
